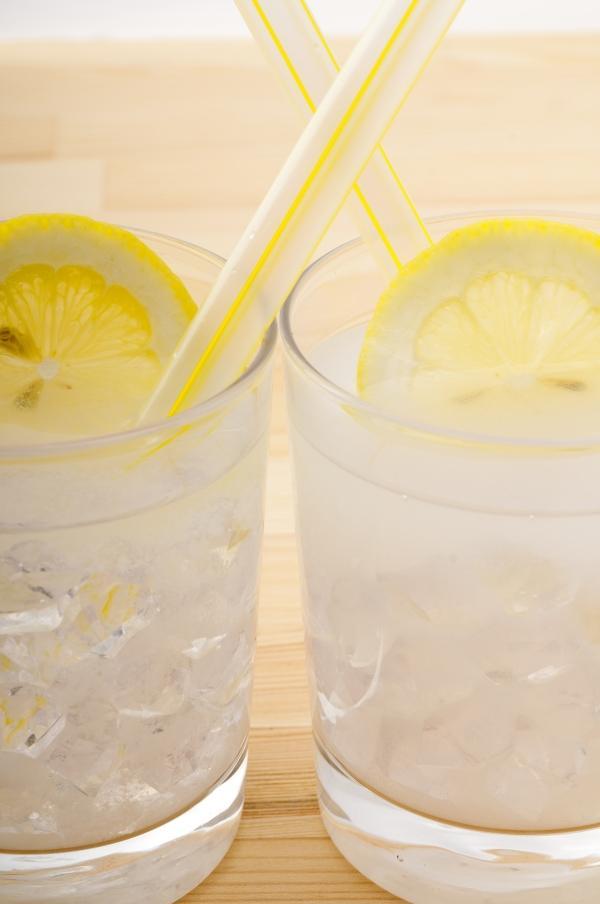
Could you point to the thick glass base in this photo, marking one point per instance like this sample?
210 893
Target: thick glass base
425 861
157 867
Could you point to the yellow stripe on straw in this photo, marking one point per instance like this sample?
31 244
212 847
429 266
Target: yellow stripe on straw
283 53
303 200
311 19
292 40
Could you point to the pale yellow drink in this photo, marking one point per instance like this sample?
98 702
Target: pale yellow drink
128 574
447 516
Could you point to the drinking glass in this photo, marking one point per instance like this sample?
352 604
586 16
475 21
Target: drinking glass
452 615
128 575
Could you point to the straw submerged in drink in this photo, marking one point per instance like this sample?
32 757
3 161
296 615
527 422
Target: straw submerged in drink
293 42
303 200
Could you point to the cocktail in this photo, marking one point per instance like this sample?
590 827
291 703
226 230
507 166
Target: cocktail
445 436
87 586
128 572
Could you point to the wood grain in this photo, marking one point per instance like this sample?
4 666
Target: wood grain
185 138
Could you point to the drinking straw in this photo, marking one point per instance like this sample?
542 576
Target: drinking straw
293 42
303 200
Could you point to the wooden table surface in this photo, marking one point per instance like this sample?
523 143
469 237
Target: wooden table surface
185 138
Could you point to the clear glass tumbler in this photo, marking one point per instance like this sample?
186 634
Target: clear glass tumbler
128 576
452 615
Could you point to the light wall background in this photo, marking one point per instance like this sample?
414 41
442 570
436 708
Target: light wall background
147 19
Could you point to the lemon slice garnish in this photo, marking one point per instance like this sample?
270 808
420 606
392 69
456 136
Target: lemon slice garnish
499 322
88 317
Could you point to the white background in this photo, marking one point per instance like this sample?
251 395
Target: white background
80 19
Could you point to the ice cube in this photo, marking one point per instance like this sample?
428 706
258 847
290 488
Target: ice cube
402 608
556 744
29 602
214 521
437 748
24 792
483 726
231 549
445 591
203 646
87 751
186 746
345 642
530 749
519 790
37 657
144 693
34 556
433 781
353 623
356 737
43 820
521 582
121 559
351 690
426 744
122 788
547 673
330 709
536 649
29 721
105 616
422 678
180 577
223 674
17 665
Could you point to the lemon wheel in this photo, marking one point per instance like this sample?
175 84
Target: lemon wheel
497 324
88 317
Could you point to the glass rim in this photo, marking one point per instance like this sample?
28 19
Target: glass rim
409 425
183 418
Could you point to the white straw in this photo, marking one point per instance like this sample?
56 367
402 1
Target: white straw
305 197
296 47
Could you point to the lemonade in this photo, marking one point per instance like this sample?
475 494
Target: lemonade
447 511
128 573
